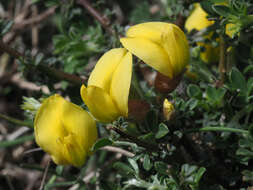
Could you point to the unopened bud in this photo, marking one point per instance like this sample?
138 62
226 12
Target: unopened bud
168 110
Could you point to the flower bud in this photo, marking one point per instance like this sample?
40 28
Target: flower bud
168 110
65 131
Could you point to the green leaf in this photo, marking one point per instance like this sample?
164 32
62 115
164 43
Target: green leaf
194 91
149 137
51 3
134 165
147 165
238 81
34 1
211 93
101 143
17 141
123 168
193 103
221 10
250 86
38 58
59 169
244 152
162 131
207 6
215 96
199 174
188 170
60 184
7 27
161 167
247 175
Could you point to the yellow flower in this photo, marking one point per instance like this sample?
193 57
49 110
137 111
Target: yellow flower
231 29
168 109
108 86
162 46
65 131
198 21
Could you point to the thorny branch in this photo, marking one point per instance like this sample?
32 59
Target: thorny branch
55 73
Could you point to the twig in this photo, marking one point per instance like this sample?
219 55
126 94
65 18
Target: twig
55 73
32 150
10 51
148 146
44 176
35 20
118 150
101 19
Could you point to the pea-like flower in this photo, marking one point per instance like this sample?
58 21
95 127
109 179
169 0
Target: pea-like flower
198 20
106 94
65 131
162 46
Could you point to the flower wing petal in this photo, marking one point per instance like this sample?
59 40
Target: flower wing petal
102 73
81 127
121 81
148 30
99 103
151 53
175 44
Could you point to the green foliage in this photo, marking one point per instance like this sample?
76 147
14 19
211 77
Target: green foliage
207 144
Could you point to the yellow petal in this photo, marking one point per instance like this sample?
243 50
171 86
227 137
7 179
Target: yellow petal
102 73
210 54
120 85
150 52
72 150
48 127
230 29
175 43
197 20
79 124
99 103
148 30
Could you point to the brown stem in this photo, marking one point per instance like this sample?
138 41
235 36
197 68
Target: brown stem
52 72
148 146
101 19
10 51
36 19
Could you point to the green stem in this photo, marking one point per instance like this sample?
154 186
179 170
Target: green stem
222 61
60 184
20 140
16 121
221 129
